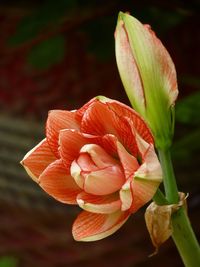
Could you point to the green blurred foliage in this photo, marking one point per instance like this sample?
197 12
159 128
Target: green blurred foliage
101 37
160 17
51 14
8 261
187 110
47 53
187 146
48 15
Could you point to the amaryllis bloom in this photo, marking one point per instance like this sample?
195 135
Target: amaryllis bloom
148 75
100 157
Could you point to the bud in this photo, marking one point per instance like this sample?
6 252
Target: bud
148 75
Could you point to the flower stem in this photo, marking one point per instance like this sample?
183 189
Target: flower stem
170 185
183 234
159 198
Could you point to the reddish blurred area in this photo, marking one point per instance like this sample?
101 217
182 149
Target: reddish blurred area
28 91
33 227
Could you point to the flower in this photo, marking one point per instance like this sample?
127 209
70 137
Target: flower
148 75
100 157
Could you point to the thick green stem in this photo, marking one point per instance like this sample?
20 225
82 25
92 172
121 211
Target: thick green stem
159 198
183 234
171 189
185 239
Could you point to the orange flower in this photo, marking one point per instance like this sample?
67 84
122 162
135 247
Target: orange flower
100 157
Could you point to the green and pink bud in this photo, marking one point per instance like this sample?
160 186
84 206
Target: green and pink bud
148 75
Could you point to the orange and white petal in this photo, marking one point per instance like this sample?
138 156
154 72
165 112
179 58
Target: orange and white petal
99 204
143 146
75 171
146 179
104 181
142 192
129 162
80 112
56 121
150 168
100 120
37 159
58 183
126 196
70 144
108 142
98 155
137 123
123 110
93 226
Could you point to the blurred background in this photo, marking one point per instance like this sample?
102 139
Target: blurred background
59 54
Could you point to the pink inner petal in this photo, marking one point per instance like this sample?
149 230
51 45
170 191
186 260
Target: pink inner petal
86 163
105 181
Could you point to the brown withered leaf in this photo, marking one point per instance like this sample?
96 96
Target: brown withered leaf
158 221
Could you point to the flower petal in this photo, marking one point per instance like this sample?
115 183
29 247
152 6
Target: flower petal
104 181
99 204
129 162
100 120
128 69
150 169
146 179
58 120
142 191
92 226
75 171
71 142
98 155
58 183
126 195
80 112
37 159
136 120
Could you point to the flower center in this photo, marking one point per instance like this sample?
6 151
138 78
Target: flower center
96 172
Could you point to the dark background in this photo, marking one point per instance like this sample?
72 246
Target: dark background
59 54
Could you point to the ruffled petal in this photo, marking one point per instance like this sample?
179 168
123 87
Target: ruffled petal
126 196
58 183
75 171
146 179
129 162
150 168
142 191
104 181
80 112
37 159
58 120
70 142
92 226
98 155
100 120
137 123
99 204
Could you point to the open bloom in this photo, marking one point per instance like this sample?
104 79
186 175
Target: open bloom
100 157
148 75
